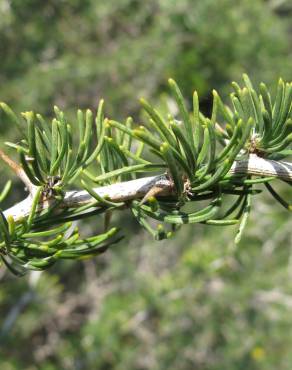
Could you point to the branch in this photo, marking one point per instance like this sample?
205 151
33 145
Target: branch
258 166
136 189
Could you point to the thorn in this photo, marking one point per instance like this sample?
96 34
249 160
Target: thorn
156 190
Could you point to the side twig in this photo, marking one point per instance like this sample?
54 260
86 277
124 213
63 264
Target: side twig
18 170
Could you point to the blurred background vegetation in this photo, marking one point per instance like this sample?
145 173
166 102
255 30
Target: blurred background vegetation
192 302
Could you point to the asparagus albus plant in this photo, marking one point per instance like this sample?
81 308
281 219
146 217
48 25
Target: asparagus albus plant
191 158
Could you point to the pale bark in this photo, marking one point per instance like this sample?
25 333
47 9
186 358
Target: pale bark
137 189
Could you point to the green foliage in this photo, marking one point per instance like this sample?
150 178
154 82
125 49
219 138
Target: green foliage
187 148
